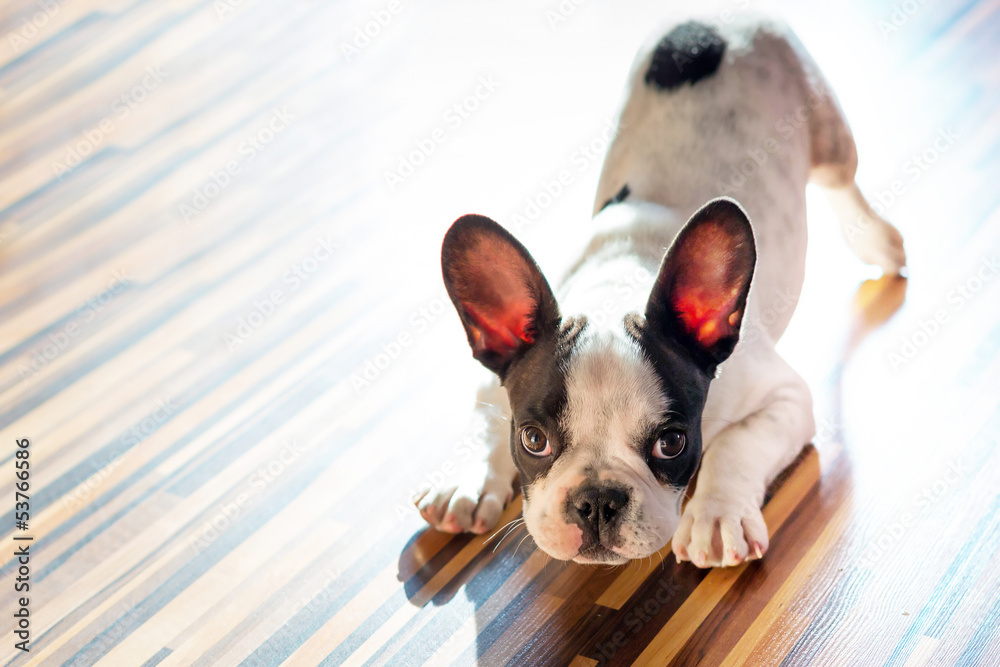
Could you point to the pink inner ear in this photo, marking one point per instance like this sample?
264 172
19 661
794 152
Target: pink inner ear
502 331
501 307
706 317
705 296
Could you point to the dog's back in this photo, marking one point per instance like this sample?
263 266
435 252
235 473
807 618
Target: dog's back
738 110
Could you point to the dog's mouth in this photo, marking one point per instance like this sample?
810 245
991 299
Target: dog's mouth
598 554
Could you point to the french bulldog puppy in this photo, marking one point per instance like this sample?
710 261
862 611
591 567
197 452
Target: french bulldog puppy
655 360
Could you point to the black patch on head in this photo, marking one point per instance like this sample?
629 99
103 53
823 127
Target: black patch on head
686 384
618 198
536 385
689 53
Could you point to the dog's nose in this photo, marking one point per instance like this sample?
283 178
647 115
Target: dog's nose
598 506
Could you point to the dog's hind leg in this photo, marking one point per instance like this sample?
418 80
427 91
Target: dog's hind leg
834 160
873 239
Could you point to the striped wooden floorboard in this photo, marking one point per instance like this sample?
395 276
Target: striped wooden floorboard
223 332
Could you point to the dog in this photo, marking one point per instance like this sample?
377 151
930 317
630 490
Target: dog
649 368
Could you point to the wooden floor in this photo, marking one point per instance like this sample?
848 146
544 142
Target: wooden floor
223 331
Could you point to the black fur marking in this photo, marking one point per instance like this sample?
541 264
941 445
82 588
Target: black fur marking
536 385
687 386
618 198
687 54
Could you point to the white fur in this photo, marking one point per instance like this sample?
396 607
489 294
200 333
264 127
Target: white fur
613 394
613 399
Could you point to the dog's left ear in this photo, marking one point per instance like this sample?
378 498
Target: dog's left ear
502 298
701 292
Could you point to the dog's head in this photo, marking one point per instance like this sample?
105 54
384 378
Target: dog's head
605 420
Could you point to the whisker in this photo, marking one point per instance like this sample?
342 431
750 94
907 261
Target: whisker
510 532
495 410
497 532
526 536
511 527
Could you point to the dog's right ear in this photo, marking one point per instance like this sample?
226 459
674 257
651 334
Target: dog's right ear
502 298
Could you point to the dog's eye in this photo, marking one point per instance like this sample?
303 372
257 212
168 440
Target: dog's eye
534 440
669 445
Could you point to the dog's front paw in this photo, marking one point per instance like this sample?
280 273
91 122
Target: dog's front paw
473 504
719 531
